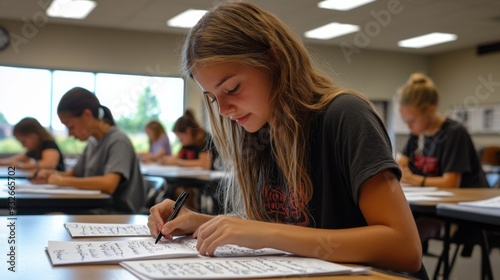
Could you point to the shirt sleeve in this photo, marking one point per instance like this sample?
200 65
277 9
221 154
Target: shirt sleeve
361 143
119 159
456 153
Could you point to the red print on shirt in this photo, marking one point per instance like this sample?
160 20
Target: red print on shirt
428 165
278 205
187 154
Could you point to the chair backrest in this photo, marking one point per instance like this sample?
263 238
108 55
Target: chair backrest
155 189
493 180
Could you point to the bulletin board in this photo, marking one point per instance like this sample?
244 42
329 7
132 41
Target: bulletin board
479 119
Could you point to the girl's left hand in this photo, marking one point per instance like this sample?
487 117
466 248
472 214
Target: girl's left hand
223 230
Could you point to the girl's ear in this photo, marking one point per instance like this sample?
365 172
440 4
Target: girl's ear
87 113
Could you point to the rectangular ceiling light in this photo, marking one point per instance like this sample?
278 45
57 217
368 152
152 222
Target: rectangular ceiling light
343 5
186 19
331 30
427 40
75 9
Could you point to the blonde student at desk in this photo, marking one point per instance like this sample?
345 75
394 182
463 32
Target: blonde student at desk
159 143
295 147
439 151
108 163
41 149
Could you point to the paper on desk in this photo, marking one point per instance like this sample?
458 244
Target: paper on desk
106 230
233 268
418 189
87 252
486 203
51 189
421 198
424 194
429 193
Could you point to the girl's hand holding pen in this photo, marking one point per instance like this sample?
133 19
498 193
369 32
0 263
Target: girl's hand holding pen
186 221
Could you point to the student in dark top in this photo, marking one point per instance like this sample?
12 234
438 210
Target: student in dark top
108 163
310 167
42 150
439 151
193 139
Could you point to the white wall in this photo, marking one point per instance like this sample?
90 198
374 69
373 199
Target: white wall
465 79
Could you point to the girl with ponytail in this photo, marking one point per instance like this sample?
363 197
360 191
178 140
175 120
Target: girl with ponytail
108 163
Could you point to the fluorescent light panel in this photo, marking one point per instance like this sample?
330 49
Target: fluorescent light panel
331 30
343 5
75 9
186 19
427 40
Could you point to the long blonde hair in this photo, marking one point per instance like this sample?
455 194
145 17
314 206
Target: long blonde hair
242 32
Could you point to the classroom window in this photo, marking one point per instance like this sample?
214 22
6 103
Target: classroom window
133 100
25 92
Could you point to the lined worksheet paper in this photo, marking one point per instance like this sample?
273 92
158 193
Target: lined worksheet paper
234 268
83 252
87 252
106 230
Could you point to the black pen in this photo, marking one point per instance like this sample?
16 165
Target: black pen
177 207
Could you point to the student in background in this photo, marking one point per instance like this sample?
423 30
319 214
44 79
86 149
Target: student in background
440 151
42 150
159 144
108 163
310 164
193 138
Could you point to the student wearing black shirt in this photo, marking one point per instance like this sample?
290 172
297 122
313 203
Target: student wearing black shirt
439 151
42 150
309 164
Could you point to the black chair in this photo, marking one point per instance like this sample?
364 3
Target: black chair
156 187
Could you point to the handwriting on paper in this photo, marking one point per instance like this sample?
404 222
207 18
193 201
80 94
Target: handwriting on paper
233 250
241 267
94 230
114 251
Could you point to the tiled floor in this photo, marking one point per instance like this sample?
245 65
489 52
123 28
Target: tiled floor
465 268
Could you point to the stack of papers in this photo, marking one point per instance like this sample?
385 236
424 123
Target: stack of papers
424 194
486 203
105 230
236 268
87 252
179 259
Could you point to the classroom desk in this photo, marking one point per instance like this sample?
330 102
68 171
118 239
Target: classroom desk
7 172
205 181
34 203
475 217
177 173
33 233
429 209
459 195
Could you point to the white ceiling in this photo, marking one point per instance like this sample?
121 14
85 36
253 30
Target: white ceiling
475 22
